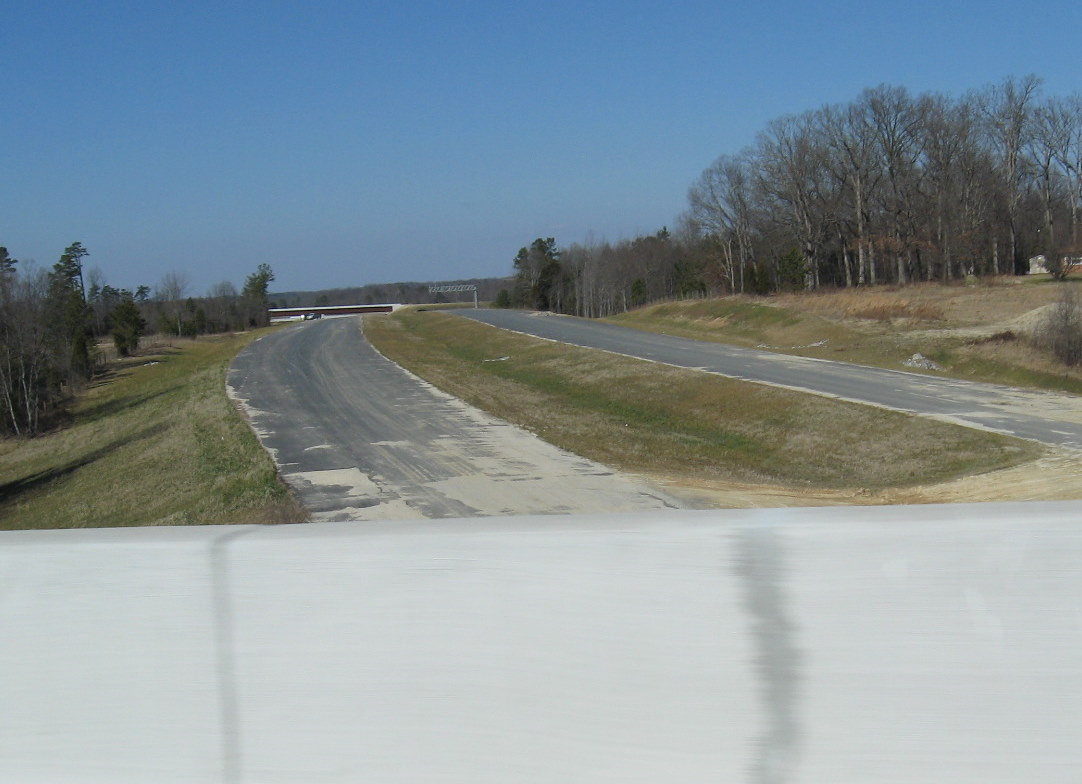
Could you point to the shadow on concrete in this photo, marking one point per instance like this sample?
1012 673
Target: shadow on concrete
761 568
226 654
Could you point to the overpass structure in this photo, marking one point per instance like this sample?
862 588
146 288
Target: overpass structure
885 644
323 311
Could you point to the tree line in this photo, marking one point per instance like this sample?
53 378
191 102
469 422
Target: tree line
403 293
54 321
888 188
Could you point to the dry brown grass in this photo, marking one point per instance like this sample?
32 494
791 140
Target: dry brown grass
991 301
883 326
888 309
665 421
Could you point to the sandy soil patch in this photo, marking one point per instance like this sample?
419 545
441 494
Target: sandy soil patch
1055 476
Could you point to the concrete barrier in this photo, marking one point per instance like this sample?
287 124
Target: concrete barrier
886 644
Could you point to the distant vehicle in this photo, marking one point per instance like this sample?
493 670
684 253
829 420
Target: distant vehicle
312 316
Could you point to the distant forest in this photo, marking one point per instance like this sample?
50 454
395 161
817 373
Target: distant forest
889 188
398 293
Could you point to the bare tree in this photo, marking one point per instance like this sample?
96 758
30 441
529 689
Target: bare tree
222 307
1072 162
721 206
95 280
25 361
957 179
853 159
1061 332
791 171
169 292
1048 145
896 121
1007 110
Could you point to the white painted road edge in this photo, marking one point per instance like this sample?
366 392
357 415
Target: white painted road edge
885 644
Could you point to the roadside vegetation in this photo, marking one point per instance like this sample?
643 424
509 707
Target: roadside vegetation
667 422
54 325
890 188
1019 332
152 441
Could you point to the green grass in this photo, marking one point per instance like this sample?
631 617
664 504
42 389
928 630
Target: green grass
155 442
665 421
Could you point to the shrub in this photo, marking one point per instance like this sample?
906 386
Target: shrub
1061 330
1006 336
128 327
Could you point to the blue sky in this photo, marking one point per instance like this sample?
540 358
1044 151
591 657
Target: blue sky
351 143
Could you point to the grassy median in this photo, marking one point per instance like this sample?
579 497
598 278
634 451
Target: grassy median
665 421
153 442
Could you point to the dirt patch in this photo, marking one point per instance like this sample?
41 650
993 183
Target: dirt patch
934 312
1056 476
725 494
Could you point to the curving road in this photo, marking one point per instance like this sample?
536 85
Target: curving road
1051 418
357 437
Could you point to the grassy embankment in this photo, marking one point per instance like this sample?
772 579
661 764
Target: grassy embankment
973 332
668 422
154 442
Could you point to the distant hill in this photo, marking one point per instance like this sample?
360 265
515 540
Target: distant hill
411 293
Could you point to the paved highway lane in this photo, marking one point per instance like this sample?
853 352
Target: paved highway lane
358 437
1050 418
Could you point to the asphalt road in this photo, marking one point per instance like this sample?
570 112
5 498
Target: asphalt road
1050 418
773 646
357 437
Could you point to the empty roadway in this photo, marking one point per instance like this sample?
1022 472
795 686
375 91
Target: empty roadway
358 437
1051 418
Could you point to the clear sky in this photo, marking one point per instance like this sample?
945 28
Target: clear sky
361 142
